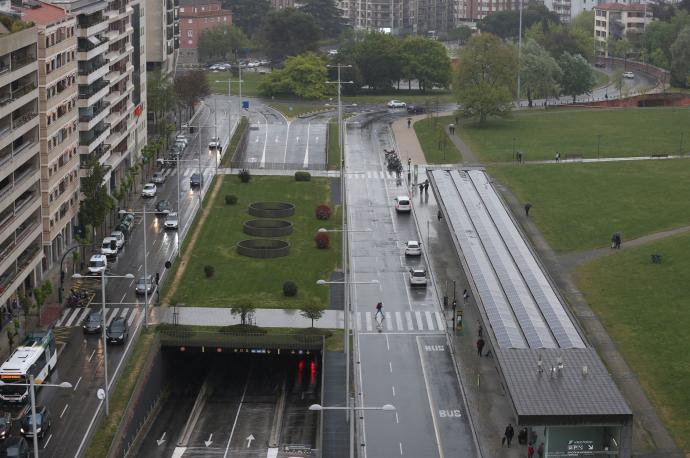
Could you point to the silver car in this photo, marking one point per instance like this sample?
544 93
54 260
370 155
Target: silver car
145 285
171 221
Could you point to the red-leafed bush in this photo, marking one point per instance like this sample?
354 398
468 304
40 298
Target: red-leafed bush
322 240
323 211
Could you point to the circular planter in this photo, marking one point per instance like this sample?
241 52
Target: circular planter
267 227
271 209
263 248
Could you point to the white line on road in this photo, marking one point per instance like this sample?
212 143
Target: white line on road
237 415
306 152
397 420
429 320
398 321
432 408
154 242
400 448
262 164
287 136
418 316
408 318
131 283
123 297
388 344
47 440
368 317
389 324
92 353
64 410
77 384
139 269
439 321
393 388
390 366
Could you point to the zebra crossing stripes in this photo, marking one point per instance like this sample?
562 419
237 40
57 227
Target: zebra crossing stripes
402 321
372 175
75 316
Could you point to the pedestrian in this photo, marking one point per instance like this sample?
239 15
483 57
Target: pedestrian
440 215
558 156
421 188
465 297
528 206
616 240
530 451
480 346
509 434
426 186
540 450
379 311
479 329
409 122
451 129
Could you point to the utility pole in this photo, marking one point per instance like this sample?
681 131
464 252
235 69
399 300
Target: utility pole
519 55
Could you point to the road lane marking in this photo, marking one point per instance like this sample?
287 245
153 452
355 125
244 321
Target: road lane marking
131 283
388 345
398 321
154 242
287 137
397 420
124 311
47 441
112 315
408 318
390 366
262 163
429 320
64 410
400 447
393 388
237 415
305 163
130 320
432 408
123 297
368 317
418 317
75 313
359 321
92 353
389 324
77 384
139 269
439 321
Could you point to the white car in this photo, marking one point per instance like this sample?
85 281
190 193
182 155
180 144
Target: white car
98 263
396 104
413 248
119 237
149 190
417 277
629 75
171 221
403 204
214 143
109 247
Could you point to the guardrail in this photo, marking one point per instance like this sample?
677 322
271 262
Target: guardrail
183 336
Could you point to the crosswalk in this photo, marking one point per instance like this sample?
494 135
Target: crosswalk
372 174
402 321
75 316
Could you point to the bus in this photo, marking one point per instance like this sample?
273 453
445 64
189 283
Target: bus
36 356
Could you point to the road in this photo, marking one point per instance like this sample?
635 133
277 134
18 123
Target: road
406 364
81 357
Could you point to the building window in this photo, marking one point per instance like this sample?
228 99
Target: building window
189 21
182 10
189 42
189 34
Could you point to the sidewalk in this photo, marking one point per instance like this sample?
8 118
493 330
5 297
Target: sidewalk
266 318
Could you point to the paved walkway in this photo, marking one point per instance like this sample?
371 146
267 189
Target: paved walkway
266 318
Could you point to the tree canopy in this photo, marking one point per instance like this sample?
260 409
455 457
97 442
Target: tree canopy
560 38
578 77
680 53
288 32
97 202
506 24
426 61
247 14
378 58
539 72
486 77
220 42
326 16
304 76
191 87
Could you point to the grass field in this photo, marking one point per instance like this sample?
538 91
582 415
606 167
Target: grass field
438 149
333 146
410 97
644 307
250 83
234 141
631 132
579 206
260 280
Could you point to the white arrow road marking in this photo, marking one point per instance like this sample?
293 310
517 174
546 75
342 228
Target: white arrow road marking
306 152
249 440
209 441
161 440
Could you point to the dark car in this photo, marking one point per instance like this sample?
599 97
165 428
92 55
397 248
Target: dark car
93 323
42 423
117 331
600 64
195 180
5 425
163 207
15 447
415 109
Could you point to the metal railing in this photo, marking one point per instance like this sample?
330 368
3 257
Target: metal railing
23 119
179 335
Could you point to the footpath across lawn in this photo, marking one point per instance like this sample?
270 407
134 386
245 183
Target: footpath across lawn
239 278
644 308
579 206
617 132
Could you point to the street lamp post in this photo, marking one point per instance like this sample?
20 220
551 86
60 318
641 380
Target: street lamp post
32 395
519 54
319 408
103 323
239 110
179 215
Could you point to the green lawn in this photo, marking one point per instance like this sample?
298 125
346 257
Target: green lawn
410 97
602 79
644 307
333 146
579 206
438 148
234 141
250 83
299 107
238 277
631 132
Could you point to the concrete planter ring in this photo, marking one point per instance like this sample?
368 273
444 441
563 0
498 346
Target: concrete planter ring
263 248
267 227
271 209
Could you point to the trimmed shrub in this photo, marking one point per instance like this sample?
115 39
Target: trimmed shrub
209 271
323 211
230 199
245 176
322 240
302 176
289 289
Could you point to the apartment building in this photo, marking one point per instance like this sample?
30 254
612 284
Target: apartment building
162 34
617 20
423 17
20 162
195 17
58 125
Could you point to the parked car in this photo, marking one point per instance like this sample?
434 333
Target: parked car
417 277
117 331
163 207
42 423
629 75
195 180
126 222
413 248
403 204
119 237
15 447
181 137
600 64
214 143
5 425
144 285
109 247
171 221
149 190
415 109
396 104
93 323
158 178
97 263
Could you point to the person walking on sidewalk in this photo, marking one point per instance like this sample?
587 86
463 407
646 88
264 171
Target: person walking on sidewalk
409 122
510 432
379 311
530 451
465 297
540 450
480 346
528 206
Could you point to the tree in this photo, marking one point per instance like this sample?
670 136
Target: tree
378 58
539 72
190 88
426 61
288 32
220 42
486 77
506 24
304 76
247 14
244 308
97 202
41 294
619 47
460 34
312 310
578 77
160 95
584 21
559 38
680 55
326 15
659 36
618 81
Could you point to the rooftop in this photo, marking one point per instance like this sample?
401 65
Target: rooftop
621 7
12 24
44 13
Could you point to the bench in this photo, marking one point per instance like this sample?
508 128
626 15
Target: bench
659 156
574 156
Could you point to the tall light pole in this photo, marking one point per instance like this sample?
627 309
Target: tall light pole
519 54
319 408
239 111
32 390
103 326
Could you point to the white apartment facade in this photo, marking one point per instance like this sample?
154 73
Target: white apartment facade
616 20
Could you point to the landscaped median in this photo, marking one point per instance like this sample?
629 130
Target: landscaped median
237 135
432 136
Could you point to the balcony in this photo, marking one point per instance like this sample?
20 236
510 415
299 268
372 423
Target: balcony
65 45
101 153
22 119
92 26
67 118
89 141
92 71
11 102
23 186
14 263
95 47
98 113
